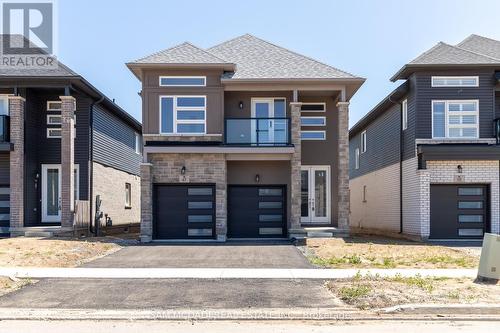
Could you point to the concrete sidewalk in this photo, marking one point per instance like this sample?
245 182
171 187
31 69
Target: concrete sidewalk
226 273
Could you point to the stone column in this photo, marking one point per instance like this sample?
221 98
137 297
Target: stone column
343 169
67 162
146 202
295 164
16 111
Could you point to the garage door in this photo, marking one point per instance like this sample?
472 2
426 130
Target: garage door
184 211
459 211
256 212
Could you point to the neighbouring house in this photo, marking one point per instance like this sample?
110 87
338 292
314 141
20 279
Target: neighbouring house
62 143
425 160
245 139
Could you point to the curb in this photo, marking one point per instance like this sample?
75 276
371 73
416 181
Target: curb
444 309
264 314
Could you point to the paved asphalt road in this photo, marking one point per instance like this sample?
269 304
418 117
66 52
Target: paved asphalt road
32 326
227 255
171 293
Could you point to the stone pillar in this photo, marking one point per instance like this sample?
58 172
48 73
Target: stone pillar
146 202
343 169
295 164
67 161
16 110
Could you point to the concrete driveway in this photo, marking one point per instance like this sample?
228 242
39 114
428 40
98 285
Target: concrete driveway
196 255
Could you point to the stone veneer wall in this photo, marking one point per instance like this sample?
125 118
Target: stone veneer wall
381 208
109 183
200 168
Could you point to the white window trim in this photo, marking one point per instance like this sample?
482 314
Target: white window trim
127 191
53 116
404 115
313 125
311 139
311 103
356 158
363 142
462 113
137 143
454 78
49 109
49 136
184 108
182 77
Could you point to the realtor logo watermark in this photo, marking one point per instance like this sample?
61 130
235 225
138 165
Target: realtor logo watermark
28 31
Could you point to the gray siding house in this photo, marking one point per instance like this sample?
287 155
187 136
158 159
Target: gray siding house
62 143
425 161
245 139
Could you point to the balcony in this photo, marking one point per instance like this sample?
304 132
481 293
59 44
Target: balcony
4 128
257 132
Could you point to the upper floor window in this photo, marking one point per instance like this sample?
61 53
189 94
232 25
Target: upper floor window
312 121
313 135
404 114
455 119
363 141
4 106
356 158
182 114
54 105
455 81
313 107
183 81
137 143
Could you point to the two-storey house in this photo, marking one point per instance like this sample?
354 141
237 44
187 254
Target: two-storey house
62 144
245 139
425 160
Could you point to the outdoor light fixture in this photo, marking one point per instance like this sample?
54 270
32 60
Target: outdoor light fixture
183 170
257 178
240 105
459 168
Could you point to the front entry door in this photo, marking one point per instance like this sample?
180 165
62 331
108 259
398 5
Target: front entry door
51 192
315 194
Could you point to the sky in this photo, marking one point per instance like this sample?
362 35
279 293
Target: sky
371 39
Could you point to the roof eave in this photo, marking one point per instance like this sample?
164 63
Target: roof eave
137 68
261 80
408 69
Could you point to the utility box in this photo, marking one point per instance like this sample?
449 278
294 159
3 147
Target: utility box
489 264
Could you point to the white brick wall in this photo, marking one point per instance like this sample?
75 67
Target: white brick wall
381 209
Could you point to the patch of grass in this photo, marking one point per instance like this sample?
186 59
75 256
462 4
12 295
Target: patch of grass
447 260
454 295
353 293
335 261
417 281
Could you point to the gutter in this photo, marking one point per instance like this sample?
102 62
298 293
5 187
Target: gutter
91 164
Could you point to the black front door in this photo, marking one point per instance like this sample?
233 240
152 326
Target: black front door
459 211
256 211
184 211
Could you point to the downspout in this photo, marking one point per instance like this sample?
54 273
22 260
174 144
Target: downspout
401 151
91 164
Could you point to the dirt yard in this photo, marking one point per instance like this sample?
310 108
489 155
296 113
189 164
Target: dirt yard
53 252
374 293
377 252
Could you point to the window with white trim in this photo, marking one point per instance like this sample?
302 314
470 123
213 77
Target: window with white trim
54 105
137 143
54 133
54 119
404 114
183 81
356 159
313 107
128 195
183 115
312 121
455 119
455 81
363 141
313 135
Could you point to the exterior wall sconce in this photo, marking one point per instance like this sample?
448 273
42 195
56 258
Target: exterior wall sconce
257 178
240 105
183 170
459 169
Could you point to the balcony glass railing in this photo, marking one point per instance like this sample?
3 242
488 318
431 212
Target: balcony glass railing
4 128
257 131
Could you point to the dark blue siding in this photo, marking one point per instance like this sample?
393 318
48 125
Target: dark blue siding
114 142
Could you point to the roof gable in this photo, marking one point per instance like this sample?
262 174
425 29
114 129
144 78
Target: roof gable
258 59
482 45
444 54
185 53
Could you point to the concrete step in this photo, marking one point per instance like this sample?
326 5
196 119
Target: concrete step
38 234
319 234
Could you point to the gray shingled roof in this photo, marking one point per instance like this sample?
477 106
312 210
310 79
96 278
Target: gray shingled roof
185 53
60 71
482 45
259 59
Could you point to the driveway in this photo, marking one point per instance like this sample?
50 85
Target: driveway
227 255
171 293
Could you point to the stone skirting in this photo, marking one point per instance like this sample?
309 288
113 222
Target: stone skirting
343 168
17 110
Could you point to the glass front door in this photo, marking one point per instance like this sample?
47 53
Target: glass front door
51 191
315 194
